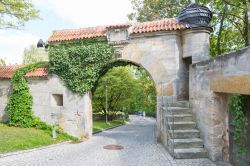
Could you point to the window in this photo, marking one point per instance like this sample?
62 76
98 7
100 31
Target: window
57 100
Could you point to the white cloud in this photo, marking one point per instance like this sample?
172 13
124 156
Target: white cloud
12 44
91 12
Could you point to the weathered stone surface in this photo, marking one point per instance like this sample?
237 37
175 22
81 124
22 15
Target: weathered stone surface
196 44
231 84
117 35
4 94
74 116
225 74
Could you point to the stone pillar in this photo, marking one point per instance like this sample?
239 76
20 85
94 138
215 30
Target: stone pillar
195 43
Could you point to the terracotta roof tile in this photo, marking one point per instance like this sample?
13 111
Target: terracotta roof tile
40 72
118 26
76 34
94 32
7 71
160 25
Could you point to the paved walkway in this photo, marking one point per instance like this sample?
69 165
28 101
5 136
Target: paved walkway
137 138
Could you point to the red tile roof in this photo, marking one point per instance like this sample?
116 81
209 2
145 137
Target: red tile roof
40 72
75 34
7 71
154 26
145 27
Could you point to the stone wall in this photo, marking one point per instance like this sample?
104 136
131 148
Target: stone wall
73 112
4 94
162 55
159 54
209 100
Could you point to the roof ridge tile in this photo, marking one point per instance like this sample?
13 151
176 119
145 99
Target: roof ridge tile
100 31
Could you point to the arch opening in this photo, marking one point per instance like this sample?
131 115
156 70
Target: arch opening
123 88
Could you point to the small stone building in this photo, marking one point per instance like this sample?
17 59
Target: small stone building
73 112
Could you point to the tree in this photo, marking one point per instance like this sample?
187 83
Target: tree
14 13
230 19
34 54
129 87
2 62
149 10
121 84
144 97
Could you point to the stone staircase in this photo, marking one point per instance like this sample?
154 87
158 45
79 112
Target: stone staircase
185 141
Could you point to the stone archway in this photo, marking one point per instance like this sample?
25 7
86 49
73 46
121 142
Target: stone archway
160 47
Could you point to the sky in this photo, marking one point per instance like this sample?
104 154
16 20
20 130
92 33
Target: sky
61 14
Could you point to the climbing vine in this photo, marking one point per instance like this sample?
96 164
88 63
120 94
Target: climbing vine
80 63
20 101
237 107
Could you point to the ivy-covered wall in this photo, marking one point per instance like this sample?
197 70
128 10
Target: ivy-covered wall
20 102
80 63
239 124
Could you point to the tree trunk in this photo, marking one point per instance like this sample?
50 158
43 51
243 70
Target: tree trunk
220 30
246 23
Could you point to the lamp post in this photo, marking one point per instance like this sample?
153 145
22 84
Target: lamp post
106 106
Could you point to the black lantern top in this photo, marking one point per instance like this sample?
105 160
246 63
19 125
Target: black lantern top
195 16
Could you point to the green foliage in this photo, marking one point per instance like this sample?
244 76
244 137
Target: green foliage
237 107
80 63
34 55
149 10
144 98
20 101
120 85
14 14
15 138
129 89
151 114
230 19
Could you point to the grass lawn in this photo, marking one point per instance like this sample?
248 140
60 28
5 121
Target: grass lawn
102 125
14 139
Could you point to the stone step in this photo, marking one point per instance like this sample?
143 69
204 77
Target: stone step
185 104
190 153
176 110
182 125
180 118
187 143
194 133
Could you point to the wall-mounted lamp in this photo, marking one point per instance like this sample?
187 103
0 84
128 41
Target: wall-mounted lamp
40 43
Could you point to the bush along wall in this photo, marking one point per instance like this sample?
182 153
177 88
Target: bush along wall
237 108
20 101
80 63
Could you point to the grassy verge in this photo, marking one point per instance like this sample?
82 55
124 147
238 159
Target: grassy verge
102 125
14 139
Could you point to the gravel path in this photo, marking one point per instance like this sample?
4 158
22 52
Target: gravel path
137 138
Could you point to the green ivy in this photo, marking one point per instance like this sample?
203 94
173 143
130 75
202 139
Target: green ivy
237 107
79 64
20 101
